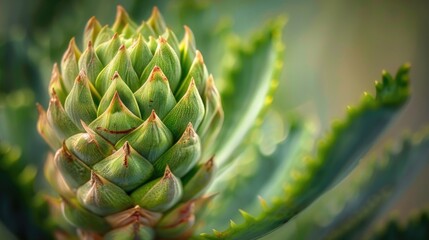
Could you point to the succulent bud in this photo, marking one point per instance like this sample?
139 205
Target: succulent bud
129 116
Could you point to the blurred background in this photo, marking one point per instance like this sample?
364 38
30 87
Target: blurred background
334 52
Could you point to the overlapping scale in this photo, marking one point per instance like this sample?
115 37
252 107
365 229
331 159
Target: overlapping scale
131 118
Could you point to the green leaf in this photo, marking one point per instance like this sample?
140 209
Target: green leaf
336 155
266 163
389 176
20 212
416 228
253 76
346 211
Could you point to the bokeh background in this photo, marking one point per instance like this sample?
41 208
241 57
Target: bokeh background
334 51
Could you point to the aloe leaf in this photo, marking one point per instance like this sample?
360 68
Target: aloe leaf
336 155
388 178
5 233
346 211
252 77
416 228
264 170
20 211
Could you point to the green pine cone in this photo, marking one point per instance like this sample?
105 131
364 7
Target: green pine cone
129 118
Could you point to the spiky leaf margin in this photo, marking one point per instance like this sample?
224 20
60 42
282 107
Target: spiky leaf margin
416 228
337 154
389 177
250 85
263 172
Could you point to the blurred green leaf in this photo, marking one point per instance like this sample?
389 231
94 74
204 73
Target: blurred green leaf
21 210
416 229
337 154
263 165
249 87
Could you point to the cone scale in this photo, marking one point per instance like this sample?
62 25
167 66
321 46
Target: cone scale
128 121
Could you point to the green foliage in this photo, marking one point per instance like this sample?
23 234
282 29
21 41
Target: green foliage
416 229
336 154
249 86
21 208
271 169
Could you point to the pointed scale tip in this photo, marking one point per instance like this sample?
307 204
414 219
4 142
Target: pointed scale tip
199 57
54 99
91 133
40 109
155 11
188 37
157 72
116 100
91 23
72 42
209 164
191 87
55 74
156 69
187 30
66 151
126 148
127 151
85 126
153 117
120 9
210 79
53 94
116 96
192 83
71 49
122 48
82 76
190 130
114 36
121 16
115 76
55 69
95 179
167 173
162 40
